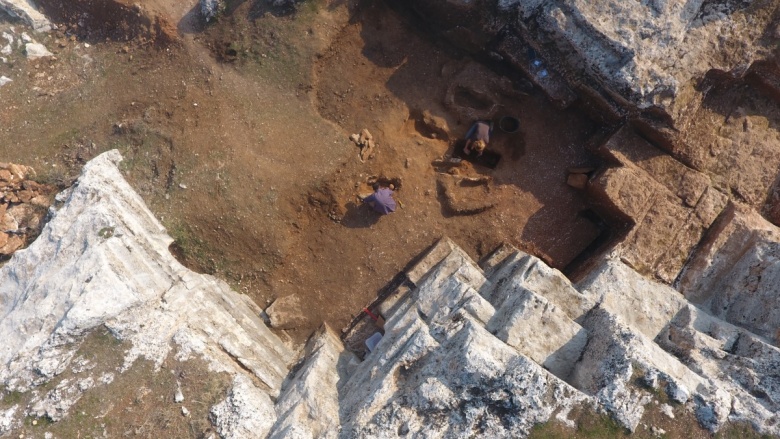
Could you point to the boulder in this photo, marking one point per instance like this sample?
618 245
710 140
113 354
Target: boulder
36 50
435 126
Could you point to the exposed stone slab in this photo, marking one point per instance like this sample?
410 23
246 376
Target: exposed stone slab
738 361
313 394
449 391
644 305
615 354
668 205
735 274
540 330
522 272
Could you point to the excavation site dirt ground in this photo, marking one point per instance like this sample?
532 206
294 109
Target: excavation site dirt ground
237 135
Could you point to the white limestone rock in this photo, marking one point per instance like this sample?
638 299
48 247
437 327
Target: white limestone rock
739 362
4 80
246 412
103 260
26 10
735 275
308 404
36 50
8 419
615 353
542 331
522 272
644 305
471 383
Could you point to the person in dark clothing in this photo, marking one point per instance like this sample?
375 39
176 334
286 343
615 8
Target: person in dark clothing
478 137
382 200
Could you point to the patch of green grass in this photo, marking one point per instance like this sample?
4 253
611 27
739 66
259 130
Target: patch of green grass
740 431
36 422
192 251
10 397
589 426
106 232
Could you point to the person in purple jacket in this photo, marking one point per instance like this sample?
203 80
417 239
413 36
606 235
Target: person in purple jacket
382 200
478 137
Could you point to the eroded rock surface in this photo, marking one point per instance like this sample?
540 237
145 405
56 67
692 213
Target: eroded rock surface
103 261
26 10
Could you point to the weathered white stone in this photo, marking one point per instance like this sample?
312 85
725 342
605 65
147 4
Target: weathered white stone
736 275
472 383
313 393
103 260
542 331
25 9
644 305
5 80
36 50
615 353
739 362
246 412
8 419
523 272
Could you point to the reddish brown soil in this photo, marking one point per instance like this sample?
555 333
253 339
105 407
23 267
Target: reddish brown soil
237 138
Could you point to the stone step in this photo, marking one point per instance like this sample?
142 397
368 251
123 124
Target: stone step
644 305
452 284
617 359
540 330
497 258
522 272
395 300
313 389
740 362
435 254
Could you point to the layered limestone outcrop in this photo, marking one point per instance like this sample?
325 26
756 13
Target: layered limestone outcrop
491 348
622 57
496 348
102 261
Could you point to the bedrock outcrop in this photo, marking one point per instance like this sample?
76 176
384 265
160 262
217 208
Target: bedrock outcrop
491 348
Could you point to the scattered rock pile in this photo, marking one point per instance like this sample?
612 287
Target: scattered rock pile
364 141
23 204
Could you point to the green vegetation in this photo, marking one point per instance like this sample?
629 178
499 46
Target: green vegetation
589 426
9 398
106 232
740 431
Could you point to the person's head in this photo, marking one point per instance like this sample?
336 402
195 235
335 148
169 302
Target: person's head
479 145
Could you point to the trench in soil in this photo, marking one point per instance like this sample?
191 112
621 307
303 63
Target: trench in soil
382 54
